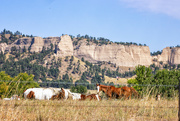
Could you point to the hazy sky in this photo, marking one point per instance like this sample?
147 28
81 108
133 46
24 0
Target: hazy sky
155 23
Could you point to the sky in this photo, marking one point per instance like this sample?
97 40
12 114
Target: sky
155 23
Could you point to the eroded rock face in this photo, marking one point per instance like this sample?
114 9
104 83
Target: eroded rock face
65 46
37 44
51 40
22 42
170 55
3 47
122 55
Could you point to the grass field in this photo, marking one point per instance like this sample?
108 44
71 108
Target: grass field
125 110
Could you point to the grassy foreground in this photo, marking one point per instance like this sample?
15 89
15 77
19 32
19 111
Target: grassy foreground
134 109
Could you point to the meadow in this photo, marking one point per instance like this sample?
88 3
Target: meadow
125 110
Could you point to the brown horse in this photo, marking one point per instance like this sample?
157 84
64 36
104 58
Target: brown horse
61 95
110 91
127 92
114 92
90 97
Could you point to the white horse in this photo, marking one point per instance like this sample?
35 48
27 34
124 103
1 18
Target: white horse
40 93
75 96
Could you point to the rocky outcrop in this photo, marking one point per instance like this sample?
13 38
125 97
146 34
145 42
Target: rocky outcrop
37 44
65 46
51 40
21 43
122 55
170 55
3 47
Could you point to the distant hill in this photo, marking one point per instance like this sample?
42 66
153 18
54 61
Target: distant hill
81 59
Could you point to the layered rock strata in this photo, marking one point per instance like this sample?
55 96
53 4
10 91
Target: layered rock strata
122 55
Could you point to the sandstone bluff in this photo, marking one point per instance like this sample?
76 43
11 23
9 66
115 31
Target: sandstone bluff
121 55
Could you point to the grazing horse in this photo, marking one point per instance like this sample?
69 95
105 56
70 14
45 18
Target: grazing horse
114 92
110 91
128 91
40 93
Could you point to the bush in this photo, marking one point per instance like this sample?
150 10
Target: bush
79 89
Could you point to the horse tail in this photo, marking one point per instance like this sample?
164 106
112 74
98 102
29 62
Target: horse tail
134 91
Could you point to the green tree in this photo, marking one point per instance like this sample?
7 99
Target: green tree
166 81
144 74
20 83
17 85
143 79
4 80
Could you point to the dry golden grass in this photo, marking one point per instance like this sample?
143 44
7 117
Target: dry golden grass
119 81
135 109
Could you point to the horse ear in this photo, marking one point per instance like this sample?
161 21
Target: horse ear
97 84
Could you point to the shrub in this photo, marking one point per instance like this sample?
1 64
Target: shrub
79 89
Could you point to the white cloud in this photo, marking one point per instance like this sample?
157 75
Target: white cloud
169 7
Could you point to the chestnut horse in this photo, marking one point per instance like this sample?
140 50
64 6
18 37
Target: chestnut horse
128 91
110 91
90 97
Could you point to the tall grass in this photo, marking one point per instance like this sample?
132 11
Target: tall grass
135 109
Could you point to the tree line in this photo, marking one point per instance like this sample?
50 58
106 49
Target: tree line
163 82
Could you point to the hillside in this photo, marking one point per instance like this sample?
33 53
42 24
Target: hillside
80 59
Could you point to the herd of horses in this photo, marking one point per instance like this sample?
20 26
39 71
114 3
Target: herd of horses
61 93
56 93
121 92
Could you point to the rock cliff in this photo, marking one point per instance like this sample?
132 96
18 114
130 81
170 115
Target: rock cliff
170 55
37 44
65 46
122 55
20 43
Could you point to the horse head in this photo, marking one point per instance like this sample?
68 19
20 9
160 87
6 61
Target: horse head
62 93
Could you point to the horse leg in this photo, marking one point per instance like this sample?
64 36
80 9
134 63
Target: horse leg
126 95
130 96
110 96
